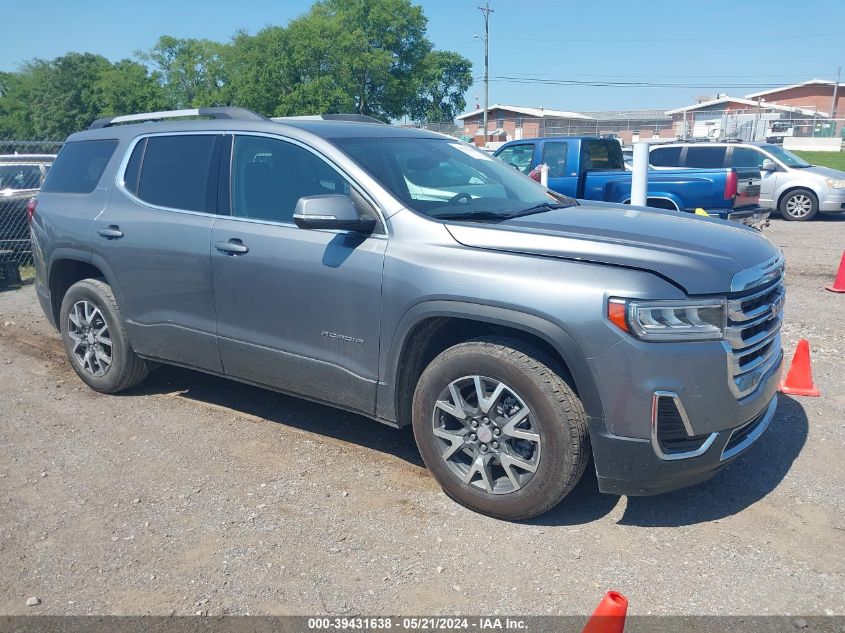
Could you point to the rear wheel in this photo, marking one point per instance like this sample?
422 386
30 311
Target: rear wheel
499 429
95 339
799 205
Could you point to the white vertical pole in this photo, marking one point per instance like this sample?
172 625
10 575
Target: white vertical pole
544 175
639 176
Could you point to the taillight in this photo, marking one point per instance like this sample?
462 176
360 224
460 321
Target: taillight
30 209
730 185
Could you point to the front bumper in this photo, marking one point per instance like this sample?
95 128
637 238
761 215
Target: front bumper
833 202
629 466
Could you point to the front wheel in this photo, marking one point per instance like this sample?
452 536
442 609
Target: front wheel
95 339
499 429
799 205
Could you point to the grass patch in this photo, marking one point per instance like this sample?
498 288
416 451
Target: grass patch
27 272
835 160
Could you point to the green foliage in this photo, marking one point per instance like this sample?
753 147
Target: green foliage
444 79
192 70
366 56
15 111
128 87
62 96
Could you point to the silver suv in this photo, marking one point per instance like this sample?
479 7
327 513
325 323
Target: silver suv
411 278
789 184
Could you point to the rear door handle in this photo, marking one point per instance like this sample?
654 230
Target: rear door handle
232 247
111 233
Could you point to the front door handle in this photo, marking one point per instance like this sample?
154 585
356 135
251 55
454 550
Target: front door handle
113 232
232 247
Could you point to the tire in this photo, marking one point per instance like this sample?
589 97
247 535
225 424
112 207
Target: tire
89 309
554 416
799 205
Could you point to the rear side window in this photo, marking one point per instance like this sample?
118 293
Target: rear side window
554 155
79 166
601 154
705 157
665 157
174 172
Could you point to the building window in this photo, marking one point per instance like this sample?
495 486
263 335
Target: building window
519 121
500 122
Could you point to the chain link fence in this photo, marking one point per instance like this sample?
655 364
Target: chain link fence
23 166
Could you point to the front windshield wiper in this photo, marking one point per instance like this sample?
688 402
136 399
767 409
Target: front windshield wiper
479 216
539 208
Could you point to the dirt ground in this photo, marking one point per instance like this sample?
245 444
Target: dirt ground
194 494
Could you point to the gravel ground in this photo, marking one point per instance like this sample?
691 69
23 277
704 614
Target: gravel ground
194 494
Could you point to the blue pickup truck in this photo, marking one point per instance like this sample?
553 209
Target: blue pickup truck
592 168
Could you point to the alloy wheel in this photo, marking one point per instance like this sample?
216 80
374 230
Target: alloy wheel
799 205
92 345
488 434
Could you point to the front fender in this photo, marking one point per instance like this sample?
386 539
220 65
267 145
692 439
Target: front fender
795 184
387 406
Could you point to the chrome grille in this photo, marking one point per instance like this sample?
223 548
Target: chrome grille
752 336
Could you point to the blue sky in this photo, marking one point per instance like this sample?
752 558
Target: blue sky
732 46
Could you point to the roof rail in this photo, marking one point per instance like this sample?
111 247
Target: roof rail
355 118
229 112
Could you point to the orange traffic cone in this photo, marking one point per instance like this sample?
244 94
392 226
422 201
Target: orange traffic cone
609 616
799 379
839 282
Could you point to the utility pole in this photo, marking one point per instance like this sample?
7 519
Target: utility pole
486 10
835 94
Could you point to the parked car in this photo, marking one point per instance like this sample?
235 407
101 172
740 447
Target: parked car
593 168
790 185
418 281
21 176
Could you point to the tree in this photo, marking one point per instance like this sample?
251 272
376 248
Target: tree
444 79
366 56
259 70
128 87
359 55
15 109
62 95
191 70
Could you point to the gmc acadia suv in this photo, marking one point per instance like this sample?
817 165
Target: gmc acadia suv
411 278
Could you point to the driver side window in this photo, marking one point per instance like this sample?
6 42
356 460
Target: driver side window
518 156
269 176
746 157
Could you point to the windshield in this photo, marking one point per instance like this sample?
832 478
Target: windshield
19 177
442 178
786 157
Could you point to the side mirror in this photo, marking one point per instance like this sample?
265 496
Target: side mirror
769 165
331 211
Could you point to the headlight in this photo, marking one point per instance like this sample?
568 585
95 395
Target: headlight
688 320
835 183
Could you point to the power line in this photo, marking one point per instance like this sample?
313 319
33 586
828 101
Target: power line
609 40
626 84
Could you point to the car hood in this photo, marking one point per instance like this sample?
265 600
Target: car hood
701 255
826 172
